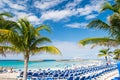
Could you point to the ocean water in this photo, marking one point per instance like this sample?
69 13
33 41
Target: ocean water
43 64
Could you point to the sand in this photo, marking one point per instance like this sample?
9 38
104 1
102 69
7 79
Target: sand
8 76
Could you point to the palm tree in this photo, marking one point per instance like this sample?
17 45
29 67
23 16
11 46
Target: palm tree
6 24
112 27
116 54
105 53
27 40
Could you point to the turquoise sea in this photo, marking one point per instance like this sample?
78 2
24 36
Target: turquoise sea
43 64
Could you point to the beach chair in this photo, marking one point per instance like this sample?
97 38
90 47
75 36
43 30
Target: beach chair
66 75
70 78
21 74
61 76
35 74
1 69
29 74
77 78
83 78
55 76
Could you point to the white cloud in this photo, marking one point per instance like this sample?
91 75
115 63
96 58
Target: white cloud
72 5
90 8
21 14
1 4
16 6
77 25
46 4
33 18
56 15
84 11
70 10
90 16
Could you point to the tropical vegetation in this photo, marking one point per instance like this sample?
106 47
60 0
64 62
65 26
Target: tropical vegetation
6 24
26 39
116 54
105 53
112 26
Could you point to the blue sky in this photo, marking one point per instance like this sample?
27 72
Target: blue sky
67 19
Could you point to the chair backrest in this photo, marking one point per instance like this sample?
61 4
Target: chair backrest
118 65
70 78
83 78
35 74
29 73
77 78
21 74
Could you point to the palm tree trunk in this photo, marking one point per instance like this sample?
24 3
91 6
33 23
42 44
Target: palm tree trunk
106 59
26 59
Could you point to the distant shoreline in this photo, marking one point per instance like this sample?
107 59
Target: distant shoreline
59 60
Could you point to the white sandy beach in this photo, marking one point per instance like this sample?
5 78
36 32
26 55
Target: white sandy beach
8 76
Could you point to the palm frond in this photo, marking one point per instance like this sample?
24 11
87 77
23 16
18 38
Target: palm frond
118 1
114 22
101 55
106 6
6 14
13 38
9 25
104 51
40 41
43 27
98 41
115 7
47 49
8 49
98 24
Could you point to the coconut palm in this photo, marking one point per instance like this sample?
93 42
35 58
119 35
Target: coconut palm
112 27
104 53
27 40
6 24
116 54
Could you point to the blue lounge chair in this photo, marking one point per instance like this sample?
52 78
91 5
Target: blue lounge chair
77 78
70 78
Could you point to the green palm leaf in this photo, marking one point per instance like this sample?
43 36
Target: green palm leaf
102 55
98 41
98 24
115 7
116 54
40 41
6 14
47 49
107 5
43 27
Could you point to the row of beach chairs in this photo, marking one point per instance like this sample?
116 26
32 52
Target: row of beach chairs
82 73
